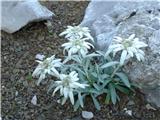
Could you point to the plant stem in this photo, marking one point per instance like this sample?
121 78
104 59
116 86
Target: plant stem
115 71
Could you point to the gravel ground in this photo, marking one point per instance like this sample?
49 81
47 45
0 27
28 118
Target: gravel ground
18 62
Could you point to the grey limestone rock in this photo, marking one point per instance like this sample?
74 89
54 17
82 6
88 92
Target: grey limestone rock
17 14
124 19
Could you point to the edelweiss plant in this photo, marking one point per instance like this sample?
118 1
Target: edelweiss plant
67 85
77 45
85 73
130 47
77 32
48 66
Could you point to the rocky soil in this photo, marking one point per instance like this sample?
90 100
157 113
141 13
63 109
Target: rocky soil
18 62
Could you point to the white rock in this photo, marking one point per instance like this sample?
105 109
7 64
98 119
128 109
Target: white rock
16 14
40 56
59 101
149 107
16 93
34 100
87 115
129 112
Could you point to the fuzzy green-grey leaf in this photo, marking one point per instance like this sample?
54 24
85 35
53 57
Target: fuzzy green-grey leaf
122 89
113 93
80 99
96 103
109 64
76 106
124 79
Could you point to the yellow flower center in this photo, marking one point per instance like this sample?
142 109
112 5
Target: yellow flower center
127 44
66 81
46 64
78 43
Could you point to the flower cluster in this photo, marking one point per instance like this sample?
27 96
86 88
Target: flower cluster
130 47
48 66
78 45
74 32
67 84
77 40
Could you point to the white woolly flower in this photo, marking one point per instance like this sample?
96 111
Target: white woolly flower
74 32
48 66
78 45
67 85
130 47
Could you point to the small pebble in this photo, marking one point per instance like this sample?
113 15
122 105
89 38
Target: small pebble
87 115
40 56
149 107
59 101
129 112
16 93
34 100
